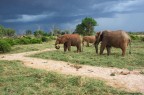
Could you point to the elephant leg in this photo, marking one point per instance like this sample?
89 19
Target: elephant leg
83 43
87 44
124 50
102 47
78 48
69 48
108 50
65 47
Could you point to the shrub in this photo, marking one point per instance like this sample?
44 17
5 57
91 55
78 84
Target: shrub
11 41
24 41
142 38
4 46
35 41
134 37
52 37
45 39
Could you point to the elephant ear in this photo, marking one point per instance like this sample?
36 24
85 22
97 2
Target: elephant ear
99 36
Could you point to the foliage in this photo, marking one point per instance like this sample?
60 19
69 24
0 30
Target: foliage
135 37
11 41
86 27
35 41
142 39
6 32
80 29
2 31
4 46
45 39
38 33
16 79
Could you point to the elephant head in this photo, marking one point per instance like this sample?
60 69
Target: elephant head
98 38
60 40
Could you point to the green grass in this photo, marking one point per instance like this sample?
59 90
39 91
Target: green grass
89 57
16 79
32 47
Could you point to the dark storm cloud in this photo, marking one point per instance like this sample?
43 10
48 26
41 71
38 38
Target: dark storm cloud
24 14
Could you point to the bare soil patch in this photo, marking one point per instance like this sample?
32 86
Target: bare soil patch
131 81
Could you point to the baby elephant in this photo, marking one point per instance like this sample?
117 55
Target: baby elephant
119 39
88 39
69 40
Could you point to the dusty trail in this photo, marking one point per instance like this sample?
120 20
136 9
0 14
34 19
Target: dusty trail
123 79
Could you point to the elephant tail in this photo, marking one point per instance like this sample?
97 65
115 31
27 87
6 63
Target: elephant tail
129 46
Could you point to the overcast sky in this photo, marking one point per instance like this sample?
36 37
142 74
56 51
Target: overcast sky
66 14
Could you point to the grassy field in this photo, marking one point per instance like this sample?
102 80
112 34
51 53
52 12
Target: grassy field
16 79
32 47
89 57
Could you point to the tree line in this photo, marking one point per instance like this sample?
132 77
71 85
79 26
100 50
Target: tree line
86 27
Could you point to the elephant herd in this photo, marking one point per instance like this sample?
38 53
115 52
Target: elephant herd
119 39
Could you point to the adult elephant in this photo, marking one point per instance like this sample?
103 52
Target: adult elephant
88 39
119 39
69 40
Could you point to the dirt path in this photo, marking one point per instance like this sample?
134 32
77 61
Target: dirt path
119 78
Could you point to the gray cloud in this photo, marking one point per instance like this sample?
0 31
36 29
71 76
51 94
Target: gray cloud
27 14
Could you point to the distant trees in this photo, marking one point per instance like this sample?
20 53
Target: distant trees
28 32
6 32
86 27
39 33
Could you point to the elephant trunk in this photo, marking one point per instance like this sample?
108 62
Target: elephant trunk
57 46
96 47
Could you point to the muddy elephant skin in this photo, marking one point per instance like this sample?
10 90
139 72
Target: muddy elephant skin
88 39
119 39
69 40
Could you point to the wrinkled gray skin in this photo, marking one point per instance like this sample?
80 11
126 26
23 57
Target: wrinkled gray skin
119 39
69 40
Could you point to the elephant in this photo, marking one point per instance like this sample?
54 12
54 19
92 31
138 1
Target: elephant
88 39
69 40
118 38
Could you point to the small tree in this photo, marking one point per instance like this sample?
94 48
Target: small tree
9 32
86 27
80 29
2 30
6 32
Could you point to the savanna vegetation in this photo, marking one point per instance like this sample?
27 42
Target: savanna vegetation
16 79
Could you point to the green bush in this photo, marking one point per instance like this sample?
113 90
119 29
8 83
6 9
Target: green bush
45 39
35 41
142 39
11 41
4 46
52 37
24 41
135 37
